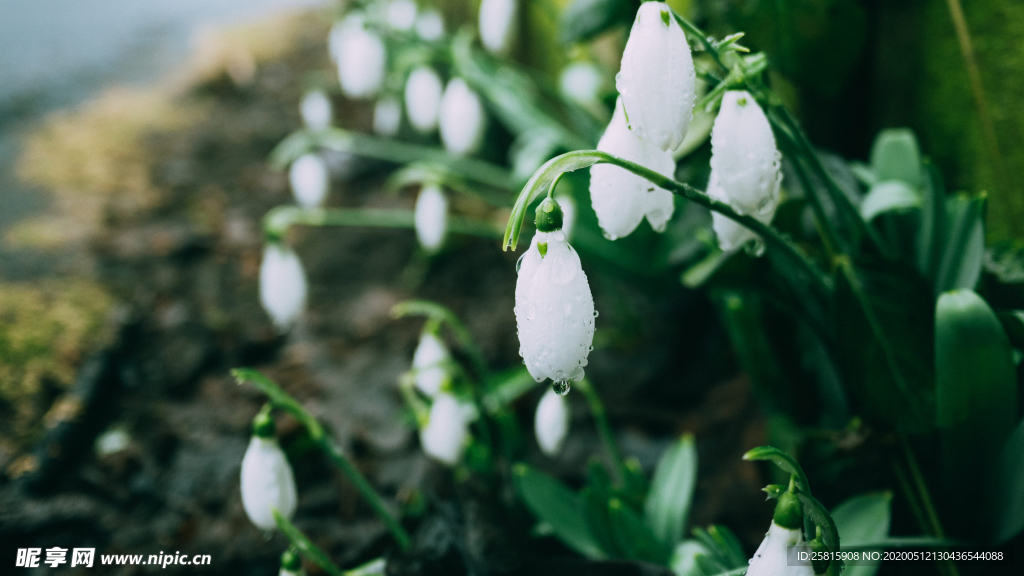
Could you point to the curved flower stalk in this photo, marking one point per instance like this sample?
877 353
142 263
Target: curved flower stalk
387 116
462 118
499 20
554 307
771 557
744 156
283 285
620 198
361 57
431 217
316 111
656 78
267 482
401 15
423 98
428 364
430 25
446 434
551 423
309 179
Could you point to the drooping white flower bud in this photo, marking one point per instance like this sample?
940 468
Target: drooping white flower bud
462 118
551 423
282 285
430 25
387 116
656 78
554 310
499 20
732 235
315 109
428 363
620 198
267 483
401 15
744 156
431 217
581 82
309 179
423 98
445 436
361 57
771 557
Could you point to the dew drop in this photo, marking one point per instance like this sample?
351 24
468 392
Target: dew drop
755 248
561 387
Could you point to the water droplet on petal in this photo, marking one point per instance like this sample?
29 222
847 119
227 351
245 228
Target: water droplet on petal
561 387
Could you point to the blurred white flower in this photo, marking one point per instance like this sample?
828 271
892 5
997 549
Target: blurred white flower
315 109
431 217
499 20
771 557
430 25
361 58
387 116
446 434
554 310
551 423
568 205
462 119
282 285
267 483
401 15
656 78
581 82
744 156
428 363
620 198
309 179
423 98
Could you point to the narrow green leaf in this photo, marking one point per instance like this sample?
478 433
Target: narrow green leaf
782 460
817 513
1008 497
863 520
595 509
633 535
964 250
889 196
553 502
895 156
668 501
931 233
724 548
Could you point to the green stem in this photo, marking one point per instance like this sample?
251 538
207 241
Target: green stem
827 232
603 428
305 546
946 567
317 434
279 219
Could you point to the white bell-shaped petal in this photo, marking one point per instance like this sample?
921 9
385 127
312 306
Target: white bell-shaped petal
423 98
446 434
430 25
462 118
267 483
431 217
568 205
361 57
551 423
620 198
732 235
554 310
744 156
771 558
401 15
581 82
499 20
315 109
282 285
656 77
428 363
387 116
309 179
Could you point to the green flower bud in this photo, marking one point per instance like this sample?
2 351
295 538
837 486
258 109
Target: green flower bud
290 560
548 216
263 424
816 545
788 512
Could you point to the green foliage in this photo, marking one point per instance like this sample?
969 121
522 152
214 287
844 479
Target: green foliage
863 520
1008 496
668 501
584 19
554 503
895 156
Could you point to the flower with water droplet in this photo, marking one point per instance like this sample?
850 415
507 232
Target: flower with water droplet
387 116
462 119
620 198
499 20
429 364
309 179
361 57
430 25
423 98
431 217
266 480
315 109
551 423
446 434
771 557
656 78
282 285
401 15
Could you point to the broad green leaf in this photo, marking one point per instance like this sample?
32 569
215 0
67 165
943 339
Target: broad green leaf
931 232
1008 497
724 548
863 520
1013 325
595 510
889 196
684 558
633 535
552 502
895 156
782 460
668 501
584 19
964 251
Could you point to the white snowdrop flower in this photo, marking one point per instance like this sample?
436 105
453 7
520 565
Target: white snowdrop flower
581 82
568 204
267 483
387 116
551 423
361 57
732 235
428 363
309 180
431 217
499 20
554 310
771 556
620 198
446 434
656 77
430 25
744 156
315 109
401 15
282 285
462 120
423 98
